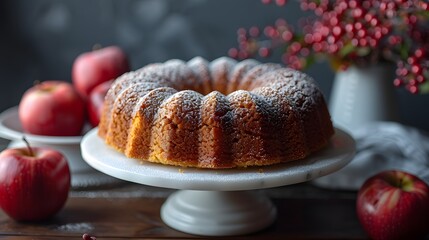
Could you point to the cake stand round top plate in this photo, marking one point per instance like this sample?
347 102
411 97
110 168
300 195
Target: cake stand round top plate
336 155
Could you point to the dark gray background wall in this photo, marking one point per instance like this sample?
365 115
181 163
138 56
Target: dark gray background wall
40 39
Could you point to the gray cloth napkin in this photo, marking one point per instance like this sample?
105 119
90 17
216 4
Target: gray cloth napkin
382 146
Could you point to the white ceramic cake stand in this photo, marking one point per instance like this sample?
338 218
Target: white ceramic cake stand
213 202
82 175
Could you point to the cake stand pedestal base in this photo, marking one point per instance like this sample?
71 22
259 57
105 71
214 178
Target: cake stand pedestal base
218 213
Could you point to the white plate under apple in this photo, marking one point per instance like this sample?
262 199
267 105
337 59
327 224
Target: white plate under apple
82 174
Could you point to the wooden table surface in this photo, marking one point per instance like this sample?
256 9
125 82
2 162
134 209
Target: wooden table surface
131 211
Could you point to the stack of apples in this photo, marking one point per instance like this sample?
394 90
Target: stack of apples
93 73
59 108
35 181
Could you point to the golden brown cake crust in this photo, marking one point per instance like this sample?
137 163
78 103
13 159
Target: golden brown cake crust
219 114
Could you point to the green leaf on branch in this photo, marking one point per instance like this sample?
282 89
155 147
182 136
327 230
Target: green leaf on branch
347 49
363 51
308 61
424 87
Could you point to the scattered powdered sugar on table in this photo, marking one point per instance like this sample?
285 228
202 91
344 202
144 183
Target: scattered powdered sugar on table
76 227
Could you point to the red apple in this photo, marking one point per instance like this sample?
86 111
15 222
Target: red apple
95 102
394 205
52 108
92 68
34 183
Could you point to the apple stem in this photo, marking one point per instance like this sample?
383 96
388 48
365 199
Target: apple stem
30 150
36 82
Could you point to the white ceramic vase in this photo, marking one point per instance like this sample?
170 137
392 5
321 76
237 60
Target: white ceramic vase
361 95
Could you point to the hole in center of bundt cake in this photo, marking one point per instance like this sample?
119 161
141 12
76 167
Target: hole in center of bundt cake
224 75
220 88
223 84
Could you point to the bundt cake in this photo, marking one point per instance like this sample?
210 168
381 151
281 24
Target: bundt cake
219 114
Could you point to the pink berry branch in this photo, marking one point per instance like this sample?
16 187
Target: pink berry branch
349 33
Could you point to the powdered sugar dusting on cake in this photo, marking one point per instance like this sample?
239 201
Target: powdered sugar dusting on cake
179 73
187 101
122 113
255 72
237 73
133 93
200 67
296 86
220 70
153 99
117 88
